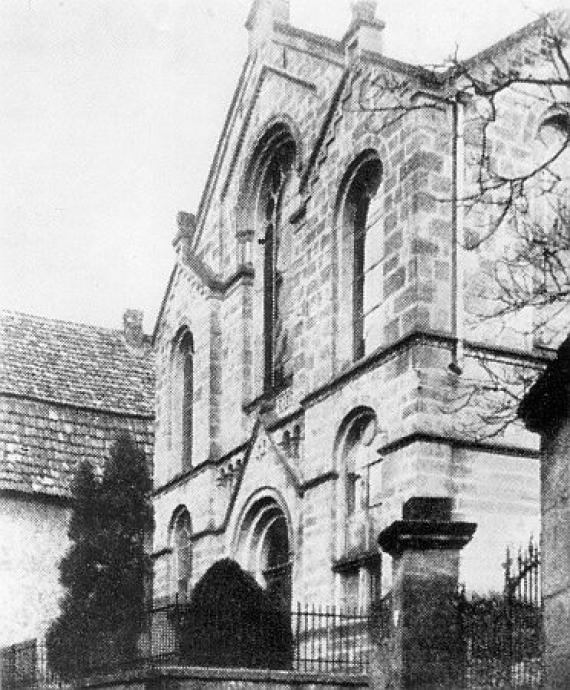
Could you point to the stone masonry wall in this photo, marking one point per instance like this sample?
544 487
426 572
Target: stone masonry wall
555 475
408 289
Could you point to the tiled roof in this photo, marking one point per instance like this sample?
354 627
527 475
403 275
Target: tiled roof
75 364
66 390
41 444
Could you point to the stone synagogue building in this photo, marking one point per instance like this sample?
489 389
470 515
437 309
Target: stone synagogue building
323 311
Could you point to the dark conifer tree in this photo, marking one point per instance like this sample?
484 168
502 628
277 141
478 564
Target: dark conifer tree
68 636
126 526
106 568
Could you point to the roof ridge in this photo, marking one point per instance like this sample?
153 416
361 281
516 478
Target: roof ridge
68 322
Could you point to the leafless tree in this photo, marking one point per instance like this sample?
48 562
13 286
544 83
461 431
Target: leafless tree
514 197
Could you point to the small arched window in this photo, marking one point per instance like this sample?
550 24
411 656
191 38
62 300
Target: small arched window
358 189
182 554
182 397
358 586
355 459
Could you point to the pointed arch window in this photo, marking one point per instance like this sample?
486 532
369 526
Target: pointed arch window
359 188
182 393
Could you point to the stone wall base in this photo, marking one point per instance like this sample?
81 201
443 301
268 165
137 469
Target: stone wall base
192 678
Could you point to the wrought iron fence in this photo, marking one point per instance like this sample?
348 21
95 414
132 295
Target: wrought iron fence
501 635
317 639
320 638
328 640
24 665
503 632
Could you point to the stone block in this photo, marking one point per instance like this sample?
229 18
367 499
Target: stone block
395 281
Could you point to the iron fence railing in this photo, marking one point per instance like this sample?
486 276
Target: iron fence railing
24 665
503 632
501 635
317 639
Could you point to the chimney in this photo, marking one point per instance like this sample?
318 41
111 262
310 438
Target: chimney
133 327
365 32
185 236
261 18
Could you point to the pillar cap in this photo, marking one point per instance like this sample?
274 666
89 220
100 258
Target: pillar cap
423 535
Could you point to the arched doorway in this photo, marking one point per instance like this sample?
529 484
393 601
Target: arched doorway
264 548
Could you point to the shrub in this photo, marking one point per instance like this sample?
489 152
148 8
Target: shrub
232 621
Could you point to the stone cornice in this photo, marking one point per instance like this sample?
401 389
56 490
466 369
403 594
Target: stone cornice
443 340
457 442
424 535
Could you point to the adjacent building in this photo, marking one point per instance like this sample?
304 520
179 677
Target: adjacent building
66 389
546 410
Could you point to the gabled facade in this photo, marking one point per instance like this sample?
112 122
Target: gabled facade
66 390
315 321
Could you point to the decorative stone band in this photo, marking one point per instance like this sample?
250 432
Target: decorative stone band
423 535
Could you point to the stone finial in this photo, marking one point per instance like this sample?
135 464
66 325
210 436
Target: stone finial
278 10
261 18
281 11
184 238
364 10
133 327
186 222
365 32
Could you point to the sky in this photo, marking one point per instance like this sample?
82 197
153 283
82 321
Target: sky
109 116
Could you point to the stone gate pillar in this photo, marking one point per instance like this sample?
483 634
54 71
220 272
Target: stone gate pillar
426 647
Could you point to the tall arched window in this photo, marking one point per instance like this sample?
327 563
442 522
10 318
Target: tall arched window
542 247
182 554
182 397
262 215
551 150
358 189
275 257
